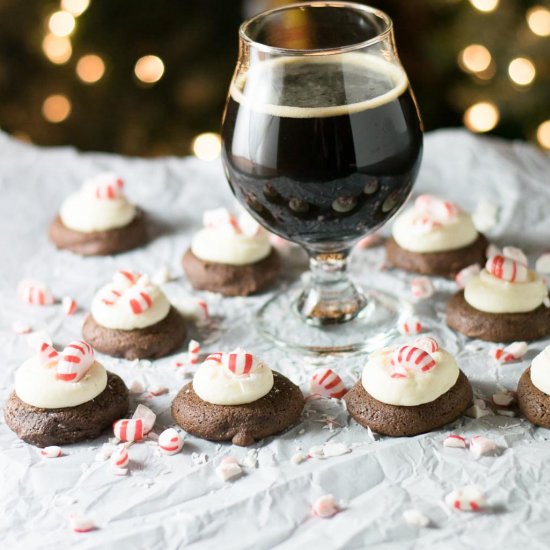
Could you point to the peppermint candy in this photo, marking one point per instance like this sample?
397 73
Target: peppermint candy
110 296
138 299
106 186
427 343
492 250
325 507
74 361
228 468
424 224
327 383
466 499
47 355
410 325
512 352
69 305
507 269
516 254
81 524
455 441
193 352
52 451
120 457
129 429
504 398
436 208
170 442
123 279
415 518
35 293
422 287
480 445
239 362
543 263
407 359
19 327
220 218
465 274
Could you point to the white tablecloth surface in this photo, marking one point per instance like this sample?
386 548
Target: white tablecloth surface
178 501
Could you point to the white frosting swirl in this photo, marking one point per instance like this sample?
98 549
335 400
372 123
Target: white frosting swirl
83 212
223 246
456 233
415 389
37 385
120 316
540 371
486 292
216 384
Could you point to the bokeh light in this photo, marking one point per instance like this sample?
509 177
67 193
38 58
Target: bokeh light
475 58
61 23
75 7
538 19
207 146
90 68
522 71
149 69
481 117
485 5
543 134
56 108
57 49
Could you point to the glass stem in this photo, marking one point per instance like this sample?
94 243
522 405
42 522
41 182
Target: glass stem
329 296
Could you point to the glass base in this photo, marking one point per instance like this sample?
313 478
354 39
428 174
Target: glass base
374 327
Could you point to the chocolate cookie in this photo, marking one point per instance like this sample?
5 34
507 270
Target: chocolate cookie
533 403
497 327
444 264
406 421
150 342
231 280
44 427
100 243
240 424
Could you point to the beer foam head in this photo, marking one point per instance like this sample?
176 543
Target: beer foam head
323 86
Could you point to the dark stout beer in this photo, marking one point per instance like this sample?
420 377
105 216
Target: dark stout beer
323 150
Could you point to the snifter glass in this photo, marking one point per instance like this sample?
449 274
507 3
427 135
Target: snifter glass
322 143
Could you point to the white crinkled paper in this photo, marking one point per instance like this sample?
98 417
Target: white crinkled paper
174 501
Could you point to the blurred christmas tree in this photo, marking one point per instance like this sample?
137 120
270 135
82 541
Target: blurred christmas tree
142 77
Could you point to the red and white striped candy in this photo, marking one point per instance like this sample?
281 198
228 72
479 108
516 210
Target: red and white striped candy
129 429
52 451
138 300
155 391
325 506
81 524
516 254
107 186
124 279
427 343
327 383
512 352
120 457
74 361
454 441
19 327
147 416
193 352
48 355
436 208
214 358
239 362
480 445
170 442
464 275
110 296
507 269
69 305
543 263
35 293
466 499
422 287
406 359
410 325
424 224
221 218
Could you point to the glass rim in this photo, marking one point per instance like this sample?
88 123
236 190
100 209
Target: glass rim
381 15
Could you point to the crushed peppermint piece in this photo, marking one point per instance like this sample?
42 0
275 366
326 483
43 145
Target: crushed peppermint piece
504 398
228 468
415 518
19 327
422 288
466 499
542 264
325 507
81 524
298 458
52 451
480 445
455 441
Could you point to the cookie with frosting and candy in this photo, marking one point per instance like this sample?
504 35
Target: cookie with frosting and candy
435 237
505 302
131 317
236 397
98 219
533 392
63 397
409 390
230 255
